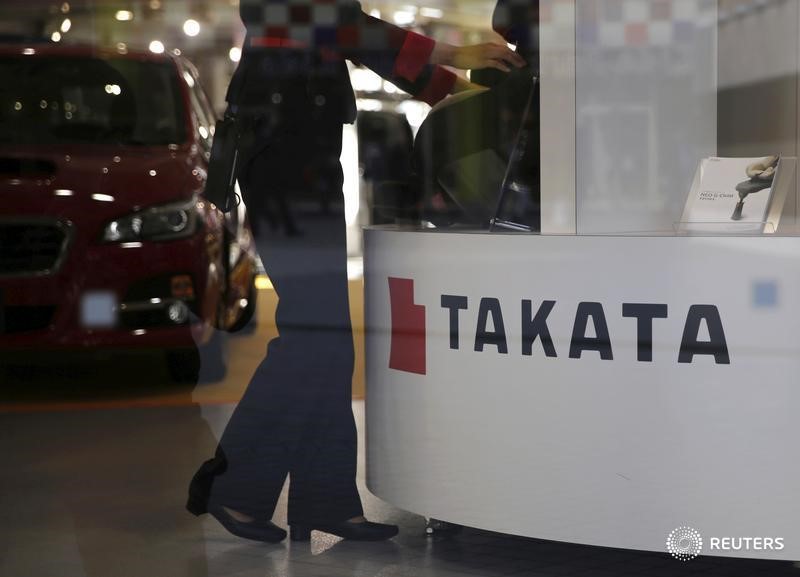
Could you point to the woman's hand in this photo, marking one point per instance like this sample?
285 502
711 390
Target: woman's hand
477 56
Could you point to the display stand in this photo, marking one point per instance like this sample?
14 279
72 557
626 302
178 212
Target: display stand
591 389
605 389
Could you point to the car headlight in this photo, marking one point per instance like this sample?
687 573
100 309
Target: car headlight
166 222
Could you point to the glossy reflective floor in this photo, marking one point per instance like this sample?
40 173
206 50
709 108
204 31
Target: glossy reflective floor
96 456
100 493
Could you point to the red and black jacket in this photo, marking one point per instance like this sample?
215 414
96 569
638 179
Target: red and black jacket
295 51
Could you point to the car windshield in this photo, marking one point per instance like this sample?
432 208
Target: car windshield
53 100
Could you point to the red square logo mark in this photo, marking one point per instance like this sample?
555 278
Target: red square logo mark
408 328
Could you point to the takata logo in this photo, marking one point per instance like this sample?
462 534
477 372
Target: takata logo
590 329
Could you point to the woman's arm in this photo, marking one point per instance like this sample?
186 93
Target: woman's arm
477 56
342 30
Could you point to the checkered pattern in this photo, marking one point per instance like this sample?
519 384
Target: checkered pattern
604 23
310 23
642 22
339 29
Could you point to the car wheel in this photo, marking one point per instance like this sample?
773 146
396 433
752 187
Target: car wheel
208 363
247 320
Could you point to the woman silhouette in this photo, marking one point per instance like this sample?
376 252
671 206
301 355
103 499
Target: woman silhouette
292 92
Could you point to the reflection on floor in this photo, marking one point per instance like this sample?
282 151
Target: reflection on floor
45 381
100 493
97 454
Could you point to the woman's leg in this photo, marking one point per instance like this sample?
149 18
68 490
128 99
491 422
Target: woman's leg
296 413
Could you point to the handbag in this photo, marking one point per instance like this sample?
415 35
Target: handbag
224 162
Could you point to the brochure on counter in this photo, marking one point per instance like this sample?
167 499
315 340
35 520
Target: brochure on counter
732 195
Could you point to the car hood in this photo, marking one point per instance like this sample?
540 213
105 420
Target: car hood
93 182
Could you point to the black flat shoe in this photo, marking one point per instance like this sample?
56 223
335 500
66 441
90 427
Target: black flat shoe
264 531
203 479
364 531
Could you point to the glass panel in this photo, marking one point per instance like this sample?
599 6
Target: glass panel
645 110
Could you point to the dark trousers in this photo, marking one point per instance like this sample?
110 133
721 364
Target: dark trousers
296 416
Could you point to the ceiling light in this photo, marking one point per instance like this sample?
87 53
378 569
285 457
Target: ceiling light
124 15
431 12
56 36
403 17
157 47
191 27
66 25
369 104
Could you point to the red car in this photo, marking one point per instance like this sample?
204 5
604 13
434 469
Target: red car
105 238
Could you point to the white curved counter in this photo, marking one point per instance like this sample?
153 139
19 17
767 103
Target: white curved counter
512 385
